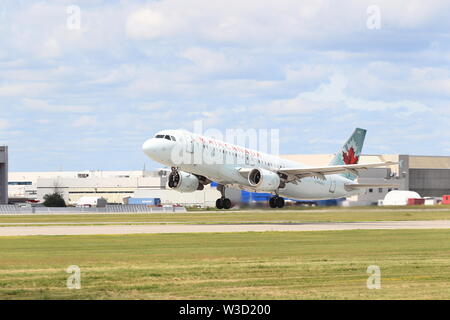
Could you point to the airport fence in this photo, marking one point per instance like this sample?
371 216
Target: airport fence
132 208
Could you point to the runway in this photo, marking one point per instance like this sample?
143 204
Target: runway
194 228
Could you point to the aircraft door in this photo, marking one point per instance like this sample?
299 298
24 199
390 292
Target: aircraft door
249 160
332 185
189 144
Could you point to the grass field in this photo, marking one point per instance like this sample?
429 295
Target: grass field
254 216
415 264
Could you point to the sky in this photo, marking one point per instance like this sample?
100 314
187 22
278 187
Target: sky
84 83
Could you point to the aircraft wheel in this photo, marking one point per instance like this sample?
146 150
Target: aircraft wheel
226 203
280 202
219 203
272 202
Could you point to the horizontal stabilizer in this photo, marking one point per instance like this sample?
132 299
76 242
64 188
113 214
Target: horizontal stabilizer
358 186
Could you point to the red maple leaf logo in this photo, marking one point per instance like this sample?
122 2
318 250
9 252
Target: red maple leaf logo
350 157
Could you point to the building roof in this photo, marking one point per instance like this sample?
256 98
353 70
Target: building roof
429 162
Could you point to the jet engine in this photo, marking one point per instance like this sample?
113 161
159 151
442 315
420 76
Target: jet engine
264 180
184 182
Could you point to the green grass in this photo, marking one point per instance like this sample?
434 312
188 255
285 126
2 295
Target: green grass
415 264
255 216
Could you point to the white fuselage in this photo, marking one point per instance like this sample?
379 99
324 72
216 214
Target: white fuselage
221 162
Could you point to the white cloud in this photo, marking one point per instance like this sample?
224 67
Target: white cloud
413 13
51 49
259 21
43 121
294 106
207 60
85 121
153 106
148 24
44 106
381 79
39 29
23 89
332 95
120 74
308 72
410 106
4 124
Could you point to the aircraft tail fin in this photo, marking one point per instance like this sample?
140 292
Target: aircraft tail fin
350 152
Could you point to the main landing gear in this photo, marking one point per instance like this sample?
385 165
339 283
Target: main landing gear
276 202
222 202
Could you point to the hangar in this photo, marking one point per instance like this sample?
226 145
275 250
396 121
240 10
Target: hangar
3 175
428 176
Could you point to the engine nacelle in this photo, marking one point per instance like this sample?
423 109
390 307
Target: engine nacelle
184 182
264 180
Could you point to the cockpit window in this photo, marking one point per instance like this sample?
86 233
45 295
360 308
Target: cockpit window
162 136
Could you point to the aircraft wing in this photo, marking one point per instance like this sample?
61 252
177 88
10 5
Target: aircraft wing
321 172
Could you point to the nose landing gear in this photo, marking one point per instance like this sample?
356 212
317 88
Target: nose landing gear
222 202
276 202
174 178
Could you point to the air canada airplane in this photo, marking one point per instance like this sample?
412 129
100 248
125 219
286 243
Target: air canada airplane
197 160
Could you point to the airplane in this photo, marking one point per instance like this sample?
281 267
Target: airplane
197 160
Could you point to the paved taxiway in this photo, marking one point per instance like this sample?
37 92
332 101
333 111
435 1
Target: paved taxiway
192 228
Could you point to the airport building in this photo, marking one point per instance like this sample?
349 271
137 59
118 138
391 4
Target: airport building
111 185
3 175
429 176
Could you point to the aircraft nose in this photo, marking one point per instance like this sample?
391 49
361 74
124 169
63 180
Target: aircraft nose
150 147
157 148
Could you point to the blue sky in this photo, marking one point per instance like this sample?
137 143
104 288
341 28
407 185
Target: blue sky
87 98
